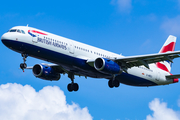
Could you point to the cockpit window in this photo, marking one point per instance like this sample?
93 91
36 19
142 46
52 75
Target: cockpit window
12 30
23 31
18 31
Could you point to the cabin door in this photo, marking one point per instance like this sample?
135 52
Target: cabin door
71 47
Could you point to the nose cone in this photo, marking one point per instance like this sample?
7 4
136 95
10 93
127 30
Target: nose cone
4 36
6 39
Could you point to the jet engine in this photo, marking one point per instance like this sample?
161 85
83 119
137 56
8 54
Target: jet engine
45 72
107 66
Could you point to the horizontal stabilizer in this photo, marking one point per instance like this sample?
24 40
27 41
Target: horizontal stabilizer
173 76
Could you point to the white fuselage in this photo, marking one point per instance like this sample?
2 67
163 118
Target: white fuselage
80 51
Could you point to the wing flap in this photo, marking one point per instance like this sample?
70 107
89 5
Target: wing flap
133 61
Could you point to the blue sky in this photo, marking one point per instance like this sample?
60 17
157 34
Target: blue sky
130 27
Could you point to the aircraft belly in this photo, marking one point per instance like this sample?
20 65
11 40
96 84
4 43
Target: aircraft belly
138 76
76 65
133 80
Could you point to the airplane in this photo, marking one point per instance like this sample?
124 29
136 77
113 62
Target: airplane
78 59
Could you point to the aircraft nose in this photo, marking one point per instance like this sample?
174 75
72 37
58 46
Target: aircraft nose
3 37
6 38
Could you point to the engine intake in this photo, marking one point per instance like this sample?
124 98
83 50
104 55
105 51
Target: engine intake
45 72
107 66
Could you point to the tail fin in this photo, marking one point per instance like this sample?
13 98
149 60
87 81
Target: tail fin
168 46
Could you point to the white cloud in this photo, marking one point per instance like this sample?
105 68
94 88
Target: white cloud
19 102
161 112
172 25
124 6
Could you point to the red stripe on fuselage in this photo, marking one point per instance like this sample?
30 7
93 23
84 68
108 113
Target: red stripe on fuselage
169 47
34 31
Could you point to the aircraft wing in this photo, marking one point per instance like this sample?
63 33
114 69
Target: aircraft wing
56 67
132 61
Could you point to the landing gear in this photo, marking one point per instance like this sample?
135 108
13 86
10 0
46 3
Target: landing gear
23 65
113 83
110 83
116 83
72 86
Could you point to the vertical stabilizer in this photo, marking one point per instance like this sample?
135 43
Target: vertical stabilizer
168 46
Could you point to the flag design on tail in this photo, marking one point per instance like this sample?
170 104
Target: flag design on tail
168 46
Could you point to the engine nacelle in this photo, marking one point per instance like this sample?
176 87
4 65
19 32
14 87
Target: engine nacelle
107 66
45 72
